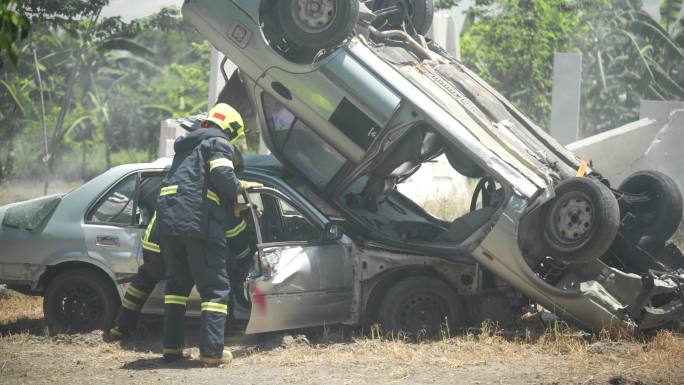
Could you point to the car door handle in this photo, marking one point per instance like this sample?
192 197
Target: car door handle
107 241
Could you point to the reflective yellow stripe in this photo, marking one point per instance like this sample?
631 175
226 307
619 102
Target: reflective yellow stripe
212 195
136 293
232 233
215 307
172 351
130 305
168 190
244 253
175 300
221 162
150 246
148 231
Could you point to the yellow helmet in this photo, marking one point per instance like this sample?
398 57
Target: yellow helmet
228 119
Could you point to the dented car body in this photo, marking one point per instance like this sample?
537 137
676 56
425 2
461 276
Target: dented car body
357 119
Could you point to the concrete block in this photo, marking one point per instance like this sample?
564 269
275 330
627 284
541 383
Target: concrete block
611 152
565 98
659 110
169 131
665 151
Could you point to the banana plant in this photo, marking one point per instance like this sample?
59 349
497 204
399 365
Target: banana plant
628 57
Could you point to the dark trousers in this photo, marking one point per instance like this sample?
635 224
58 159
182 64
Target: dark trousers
190 262
140 288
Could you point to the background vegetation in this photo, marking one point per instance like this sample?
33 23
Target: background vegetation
628 56
88 92
80 92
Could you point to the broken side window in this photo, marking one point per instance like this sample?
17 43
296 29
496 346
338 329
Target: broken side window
300 145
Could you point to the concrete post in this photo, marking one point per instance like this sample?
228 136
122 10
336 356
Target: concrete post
216 81
565 98
443 32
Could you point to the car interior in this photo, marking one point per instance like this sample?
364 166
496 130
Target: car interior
379 200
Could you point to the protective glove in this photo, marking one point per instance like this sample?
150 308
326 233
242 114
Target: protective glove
244 185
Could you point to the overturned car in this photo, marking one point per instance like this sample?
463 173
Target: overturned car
352 97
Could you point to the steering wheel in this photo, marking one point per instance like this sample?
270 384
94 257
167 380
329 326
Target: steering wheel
485 187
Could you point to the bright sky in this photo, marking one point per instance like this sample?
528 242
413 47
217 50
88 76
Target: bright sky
133 9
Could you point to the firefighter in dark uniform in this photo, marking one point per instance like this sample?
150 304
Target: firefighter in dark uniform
196 195
241 247
149 274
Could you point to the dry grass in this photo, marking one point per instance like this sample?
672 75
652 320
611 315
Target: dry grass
594 360
556 353
17 306
16 191
449 202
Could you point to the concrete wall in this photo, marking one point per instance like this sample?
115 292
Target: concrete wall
659 110
665 152
611 151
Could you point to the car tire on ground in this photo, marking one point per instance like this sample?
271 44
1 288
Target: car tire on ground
660 217
324 27
421 13
80 300
418 305
581 222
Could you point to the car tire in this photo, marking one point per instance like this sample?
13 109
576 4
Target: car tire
581 222
421 12
79 301
418 305
662 217
307 33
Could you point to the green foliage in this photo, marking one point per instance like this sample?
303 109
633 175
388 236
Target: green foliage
100 81
511 44
669 12
627 55
445 4
13 27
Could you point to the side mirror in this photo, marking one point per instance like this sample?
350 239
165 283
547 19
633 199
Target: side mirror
333 232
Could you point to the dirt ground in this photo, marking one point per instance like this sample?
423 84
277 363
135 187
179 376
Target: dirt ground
28 355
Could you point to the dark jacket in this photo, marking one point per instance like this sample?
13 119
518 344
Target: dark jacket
199 188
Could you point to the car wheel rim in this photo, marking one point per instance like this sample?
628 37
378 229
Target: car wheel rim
422 312
80 308
572 219
314 16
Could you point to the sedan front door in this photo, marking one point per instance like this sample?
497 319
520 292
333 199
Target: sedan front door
302 279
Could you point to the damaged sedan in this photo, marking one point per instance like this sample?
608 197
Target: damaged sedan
355 99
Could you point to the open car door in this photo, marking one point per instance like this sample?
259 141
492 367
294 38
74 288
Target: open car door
303 270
